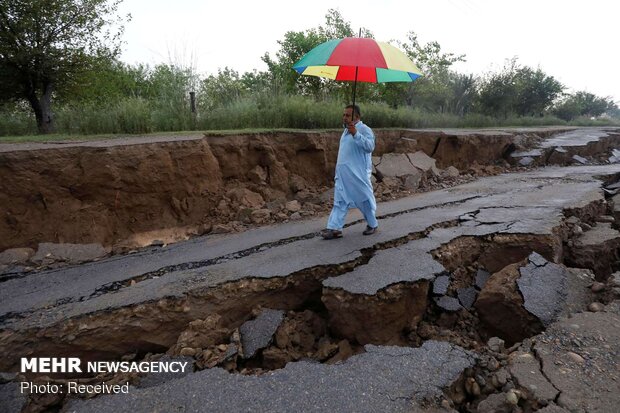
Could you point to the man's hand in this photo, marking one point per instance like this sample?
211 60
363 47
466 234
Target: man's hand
352 129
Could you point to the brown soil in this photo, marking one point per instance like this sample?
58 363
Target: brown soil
124 195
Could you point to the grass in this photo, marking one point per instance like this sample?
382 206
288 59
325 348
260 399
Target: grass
63 137
259 113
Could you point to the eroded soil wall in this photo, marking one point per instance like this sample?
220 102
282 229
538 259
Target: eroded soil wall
107 193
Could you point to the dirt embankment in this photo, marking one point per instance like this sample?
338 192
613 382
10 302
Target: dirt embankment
116 193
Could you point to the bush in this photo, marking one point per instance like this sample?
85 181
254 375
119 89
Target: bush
129 115
273 112
15 120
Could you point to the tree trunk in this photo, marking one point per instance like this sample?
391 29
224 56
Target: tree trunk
42 108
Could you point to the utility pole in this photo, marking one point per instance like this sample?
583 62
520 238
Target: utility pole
192 101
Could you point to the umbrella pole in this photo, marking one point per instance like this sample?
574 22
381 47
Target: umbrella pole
354 88
355 85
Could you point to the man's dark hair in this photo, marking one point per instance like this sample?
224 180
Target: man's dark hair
356 110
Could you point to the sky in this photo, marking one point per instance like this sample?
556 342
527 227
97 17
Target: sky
574 41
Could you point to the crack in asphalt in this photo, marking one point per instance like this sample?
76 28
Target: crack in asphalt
259 248
115 286
542 371
366 252
366 255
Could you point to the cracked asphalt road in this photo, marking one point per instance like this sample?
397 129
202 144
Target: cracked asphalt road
394 379
518 203
526 203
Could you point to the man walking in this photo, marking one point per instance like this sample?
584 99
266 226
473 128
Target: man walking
353 188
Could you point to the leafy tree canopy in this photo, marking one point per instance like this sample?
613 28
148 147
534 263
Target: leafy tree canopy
517 90
46 44
584 104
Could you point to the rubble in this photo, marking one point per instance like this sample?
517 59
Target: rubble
396 165
598 249
293 206
12 399
16 256
467 296
500 307
448 303
245 197
424 163
481 278
580 159
523 298
527 158
450 172
374 303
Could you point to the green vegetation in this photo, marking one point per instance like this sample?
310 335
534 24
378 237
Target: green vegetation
107 97
47 46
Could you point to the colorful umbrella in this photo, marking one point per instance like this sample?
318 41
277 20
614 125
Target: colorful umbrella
358 60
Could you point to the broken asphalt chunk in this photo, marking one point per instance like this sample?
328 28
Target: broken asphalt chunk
481 278
155 379
448 303
537 259
12 399
523 297
580 159
467 296
257 334
441 284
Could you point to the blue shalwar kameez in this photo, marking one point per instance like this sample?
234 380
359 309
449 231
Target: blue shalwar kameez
353 188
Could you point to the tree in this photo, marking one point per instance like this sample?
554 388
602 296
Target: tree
462 93
46 44
614 112
296 44
584 104
292 48
592 105
567 109
434 90
220 90
517 90
535 91
429 57
107 81
497 91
